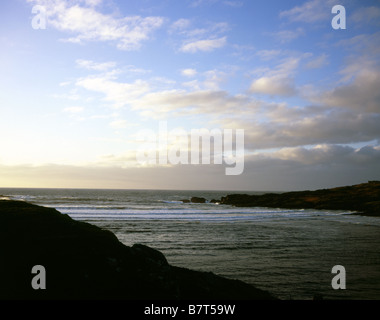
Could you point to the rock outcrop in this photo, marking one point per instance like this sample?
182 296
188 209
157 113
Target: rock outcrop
198 200
194 200
83 261
362 198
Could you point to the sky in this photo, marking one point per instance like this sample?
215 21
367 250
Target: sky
87 84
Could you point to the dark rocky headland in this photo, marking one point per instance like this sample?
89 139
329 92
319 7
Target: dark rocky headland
83 261
363 199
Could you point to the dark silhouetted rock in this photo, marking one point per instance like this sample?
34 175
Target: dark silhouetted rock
362 198
83 261
198 200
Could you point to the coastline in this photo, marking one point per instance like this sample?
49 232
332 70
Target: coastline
86 262
280 251
362 199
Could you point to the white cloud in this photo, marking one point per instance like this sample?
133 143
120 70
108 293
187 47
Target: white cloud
284 36
83 20
213 78
275 85
183 103
267 125
193 85
204 45
310 11
119 93
157 96
268 54
211 30
189 72
277 81
93 2
205 37
88 64
180 25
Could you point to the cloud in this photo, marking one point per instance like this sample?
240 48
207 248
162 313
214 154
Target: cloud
357 87
82 19
275 85
120 94
361 94
211 29
363 47
323 166
206 37
183 103
310 11
292 169
268 54
274 125
156 97
189 72
93 3
318 62
213 79
277 81
180 25
329 154
204 45
285 36
267 125
90 65
366 15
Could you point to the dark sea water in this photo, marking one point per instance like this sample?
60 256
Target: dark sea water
289 253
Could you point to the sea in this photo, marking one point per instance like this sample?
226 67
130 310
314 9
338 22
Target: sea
290 253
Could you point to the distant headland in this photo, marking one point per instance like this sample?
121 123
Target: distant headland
360 199
363 199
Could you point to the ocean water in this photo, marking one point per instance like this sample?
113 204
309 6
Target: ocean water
289 253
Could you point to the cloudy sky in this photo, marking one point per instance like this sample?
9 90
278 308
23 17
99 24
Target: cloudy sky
77 91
